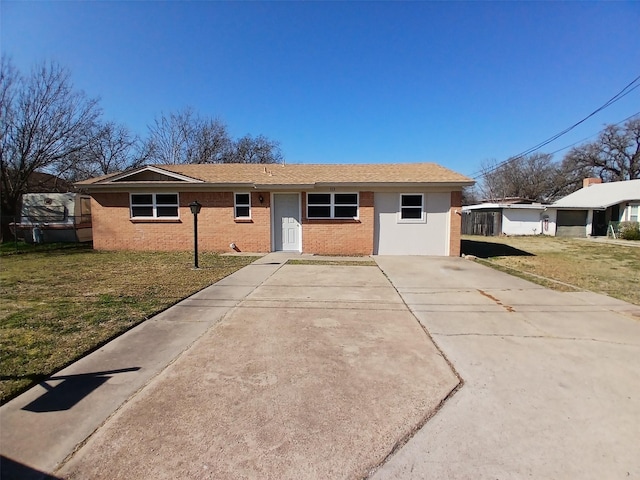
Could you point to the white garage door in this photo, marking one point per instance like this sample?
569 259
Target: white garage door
428 235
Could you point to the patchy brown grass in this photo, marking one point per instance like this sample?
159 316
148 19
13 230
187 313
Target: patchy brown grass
57 306
606 268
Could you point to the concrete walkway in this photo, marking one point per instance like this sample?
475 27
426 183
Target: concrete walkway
552 384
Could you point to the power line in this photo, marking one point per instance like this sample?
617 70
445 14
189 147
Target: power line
618 96
593 135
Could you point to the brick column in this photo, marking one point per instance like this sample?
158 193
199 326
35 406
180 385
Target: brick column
455 215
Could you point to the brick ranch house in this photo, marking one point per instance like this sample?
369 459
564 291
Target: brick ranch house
381 209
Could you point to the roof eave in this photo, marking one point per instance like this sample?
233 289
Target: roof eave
127 186
457 184
182 186
581 207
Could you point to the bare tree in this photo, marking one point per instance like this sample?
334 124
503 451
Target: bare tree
533 177
470 195
256 150
614 156
113 148
209 143
185 137
45 122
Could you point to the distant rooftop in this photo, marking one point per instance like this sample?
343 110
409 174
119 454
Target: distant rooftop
508 200
601 195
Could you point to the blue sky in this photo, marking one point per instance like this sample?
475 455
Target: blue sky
348 82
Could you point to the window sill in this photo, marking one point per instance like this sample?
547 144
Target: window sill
243 220
155 220
332 220
411 222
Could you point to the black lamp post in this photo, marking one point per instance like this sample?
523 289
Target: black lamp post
195 209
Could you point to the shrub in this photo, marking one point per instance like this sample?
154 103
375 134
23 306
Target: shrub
630 230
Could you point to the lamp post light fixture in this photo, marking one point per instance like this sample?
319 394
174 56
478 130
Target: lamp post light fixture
195 209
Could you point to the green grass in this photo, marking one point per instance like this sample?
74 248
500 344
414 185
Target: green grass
606 268
58 305
13 248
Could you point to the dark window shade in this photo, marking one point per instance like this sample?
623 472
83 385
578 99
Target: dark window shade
141 199
242 198
319 199
411 213
345 211
346 199
142 211
166 199
319 212
242 211
167 211
412 200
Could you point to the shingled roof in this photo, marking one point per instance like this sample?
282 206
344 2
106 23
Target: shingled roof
601 195
257 175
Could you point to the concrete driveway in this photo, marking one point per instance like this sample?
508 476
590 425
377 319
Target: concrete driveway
552 380
318 373
331 371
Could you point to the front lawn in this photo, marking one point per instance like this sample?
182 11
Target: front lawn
58 305
599 267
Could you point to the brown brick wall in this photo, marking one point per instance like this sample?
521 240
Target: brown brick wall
340 237
455 213
114 230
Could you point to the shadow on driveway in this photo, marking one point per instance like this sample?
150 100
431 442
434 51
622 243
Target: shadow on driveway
12 470
71 390
491 249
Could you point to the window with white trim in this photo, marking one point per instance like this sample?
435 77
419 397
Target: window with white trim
242 205
332 205
412 208
154 205
634 211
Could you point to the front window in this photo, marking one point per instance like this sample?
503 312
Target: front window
242 205
154 205
634 213
412 208
332 205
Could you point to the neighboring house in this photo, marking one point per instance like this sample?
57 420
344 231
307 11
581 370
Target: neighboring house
589 211
494 219
383 209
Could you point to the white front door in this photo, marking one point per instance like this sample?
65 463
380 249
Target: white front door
286 222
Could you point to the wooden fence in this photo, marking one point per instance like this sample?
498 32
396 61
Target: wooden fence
488 224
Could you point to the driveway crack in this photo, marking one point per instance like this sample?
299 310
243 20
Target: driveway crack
544 337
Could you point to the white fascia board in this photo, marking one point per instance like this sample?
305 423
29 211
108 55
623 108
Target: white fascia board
284 186
509 206
581 207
